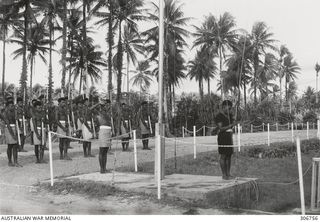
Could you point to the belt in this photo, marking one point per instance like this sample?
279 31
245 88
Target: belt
105 127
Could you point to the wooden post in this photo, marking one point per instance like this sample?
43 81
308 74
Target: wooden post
292 139
268 134
277 128
251 128
262 127
194 143
50 158
204 130
135 151
313 184
239 139
303 211
183 132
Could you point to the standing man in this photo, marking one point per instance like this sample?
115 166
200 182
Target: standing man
22 123
225 122
125 123
11 132
105 133
87 128
39 135
62 128
143 120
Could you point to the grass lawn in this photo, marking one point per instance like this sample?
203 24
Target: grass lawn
277 193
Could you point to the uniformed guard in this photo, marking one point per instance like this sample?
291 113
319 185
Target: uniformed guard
11 132
104 121
39 136
143 120
87 128
62 128
125 126
22 123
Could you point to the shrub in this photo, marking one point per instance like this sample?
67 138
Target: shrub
281 150
310 117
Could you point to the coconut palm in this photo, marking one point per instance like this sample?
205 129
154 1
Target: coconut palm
143 77
8 21
261 40
290 69
37 45
94 62
218 33
283 52
317 68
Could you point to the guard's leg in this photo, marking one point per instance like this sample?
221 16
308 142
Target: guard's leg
223 166
9 155
36 152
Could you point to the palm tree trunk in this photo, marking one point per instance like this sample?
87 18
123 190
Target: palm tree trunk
119 63
245 95
80 84
3 63
24 77
281 105
31 77
64 46
221 79
110 44
84 45
209 86
50 85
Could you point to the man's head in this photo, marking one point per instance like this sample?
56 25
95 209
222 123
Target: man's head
9 102
144 104
19 101
62 101
37 105
226 105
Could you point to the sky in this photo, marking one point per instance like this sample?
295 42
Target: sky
295 23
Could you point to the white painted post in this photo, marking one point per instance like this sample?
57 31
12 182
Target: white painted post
50 158
204 130
158 166
262 127
135 151
307 130
303 211
313 184
194 143
268 134
239 139
183 132
251 128
277 128
292 139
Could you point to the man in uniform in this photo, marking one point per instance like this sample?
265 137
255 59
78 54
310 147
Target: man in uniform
144 124
105 133
10 118
225 122
87 128
22 123
125 123
39 135
62 128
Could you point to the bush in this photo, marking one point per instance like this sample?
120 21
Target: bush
281 150
310 117
285 117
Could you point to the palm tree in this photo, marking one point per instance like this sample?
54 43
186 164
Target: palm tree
292 93
8 20
36 46
143 77
309 97
127 12
174 42
283 52
290 69
218 33
261 40
94 62
317 68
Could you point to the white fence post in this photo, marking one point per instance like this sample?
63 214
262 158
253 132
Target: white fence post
307 130
262 127
292 139
135 151
183 132
194 143
239 138
277 127
268 134
50 158
303 211
251 128
204 130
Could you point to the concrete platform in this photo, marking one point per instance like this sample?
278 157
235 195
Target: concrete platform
212 190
